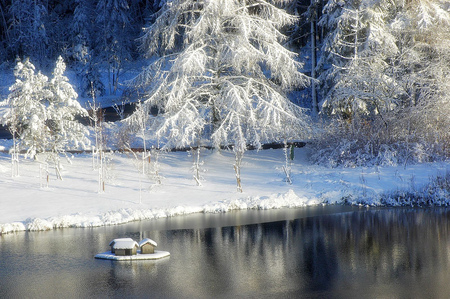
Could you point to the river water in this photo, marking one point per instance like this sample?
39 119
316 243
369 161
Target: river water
316 252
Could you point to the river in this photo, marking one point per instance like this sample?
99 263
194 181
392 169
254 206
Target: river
315 252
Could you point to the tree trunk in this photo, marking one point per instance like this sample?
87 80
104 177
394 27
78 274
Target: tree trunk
315 105
237 168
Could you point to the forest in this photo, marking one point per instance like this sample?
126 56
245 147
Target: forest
365 82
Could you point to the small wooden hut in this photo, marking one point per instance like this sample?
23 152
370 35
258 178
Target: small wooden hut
126 247
117 240
147 246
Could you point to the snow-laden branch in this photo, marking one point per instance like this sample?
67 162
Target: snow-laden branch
228 76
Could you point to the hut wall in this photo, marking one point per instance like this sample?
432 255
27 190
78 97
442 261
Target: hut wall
128 251
147 249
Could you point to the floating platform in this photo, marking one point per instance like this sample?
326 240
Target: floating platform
150 256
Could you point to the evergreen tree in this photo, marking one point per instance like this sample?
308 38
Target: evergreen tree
82 23
82 50
42 113
27 102
385 68
422 30
28 28
113 40
356 54
63 108
4 32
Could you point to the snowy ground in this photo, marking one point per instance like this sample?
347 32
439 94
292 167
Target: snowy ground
26 203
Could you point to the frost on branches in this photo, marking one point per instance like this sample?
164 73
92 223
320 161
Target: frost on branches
42 113
221 74
358 81
385 67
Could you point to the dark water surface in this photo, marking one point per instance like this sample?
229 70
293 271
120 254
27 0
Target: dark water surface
318 252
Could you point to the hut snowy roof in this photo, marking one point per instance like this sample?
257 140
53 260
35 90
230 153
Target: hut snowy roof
147 240
119 239
125 244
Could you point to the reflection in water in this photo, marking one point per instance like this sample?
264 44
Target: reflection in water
376 253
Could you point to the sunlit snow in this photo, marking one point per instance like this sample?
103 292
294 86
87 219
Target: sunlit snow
28 204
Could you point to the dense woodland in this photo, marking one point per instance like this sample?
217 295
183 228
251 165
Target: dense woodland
373 74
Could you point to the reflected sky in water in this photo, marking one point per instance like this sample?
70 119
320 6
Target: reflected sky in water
333 252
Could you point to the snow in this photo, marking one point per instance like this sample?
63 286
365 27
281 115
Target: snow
125 244
147 240
28 204
153 256
119 240
226 95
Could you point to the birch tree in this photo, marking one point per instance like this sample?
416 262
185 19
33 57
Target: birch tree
220 72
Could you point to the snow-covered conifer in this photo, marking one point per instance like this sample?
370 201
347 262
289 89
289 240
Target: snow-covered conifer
356 51
82 40
27 102
28 26
422 68
81 23
388 62
42 114
63 108
113 42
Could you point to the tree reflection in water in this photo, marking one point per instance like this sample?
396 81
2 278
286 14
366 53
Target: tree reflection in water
381 249
390 252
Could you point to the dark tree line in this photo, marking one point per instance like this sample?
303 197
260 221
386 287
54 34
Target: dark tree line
89 32
45 29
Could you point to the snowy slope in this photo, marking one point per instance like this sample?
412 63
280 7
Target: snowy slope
28 204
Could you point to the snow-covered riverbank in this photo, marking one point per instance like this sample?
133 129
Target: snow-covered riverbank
28 204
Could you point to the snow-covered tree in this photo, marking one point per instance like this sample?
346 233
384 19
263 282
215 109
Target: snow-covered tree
356 50
422 30
62 110
90 83
27 113
82 50
28 26
42 114
222 73
313 16
422 68
114 44
82 23
4 32
304 38
387 63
